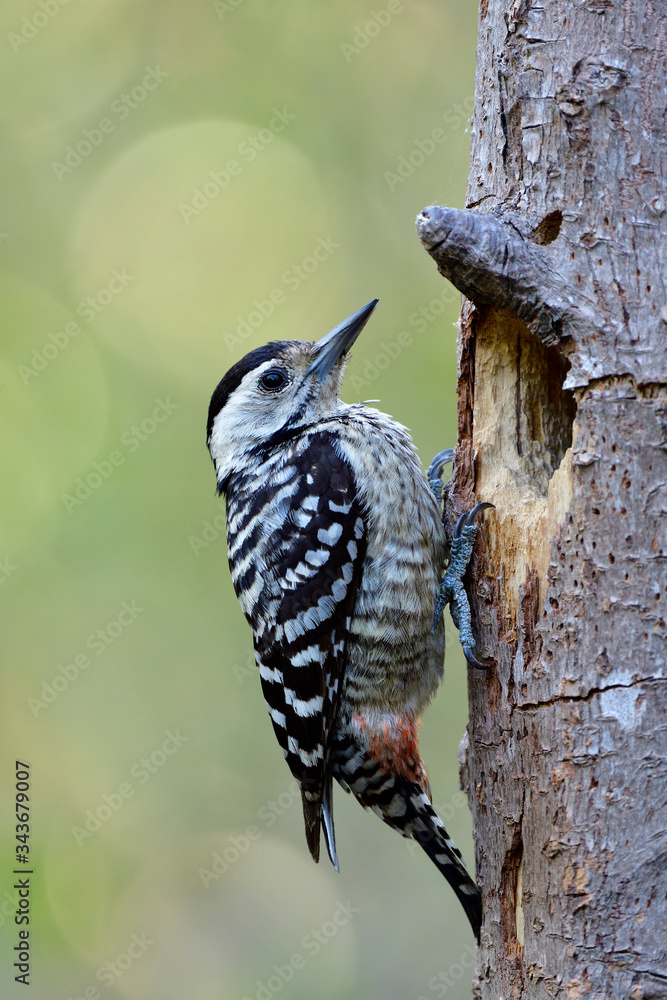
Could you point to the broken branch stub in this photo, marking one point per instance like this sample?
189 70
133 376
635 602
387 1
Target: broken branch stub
492 263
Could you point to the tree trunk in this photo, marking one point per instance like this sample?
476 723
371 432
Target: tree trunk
562 419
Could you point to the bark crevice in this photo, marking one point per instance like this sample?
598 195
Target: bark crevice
571 699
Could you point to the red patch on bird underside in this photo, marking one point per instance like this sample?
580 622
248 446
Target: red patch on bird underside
394 744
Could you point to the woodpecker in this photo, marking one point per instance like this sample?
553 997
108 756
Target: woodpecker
337 551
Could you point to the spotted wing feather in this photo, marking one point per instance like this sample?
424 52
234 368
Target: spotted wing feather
312 570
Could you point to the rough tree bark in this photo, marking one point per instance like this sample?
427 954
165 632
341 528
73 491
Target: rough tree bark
562 420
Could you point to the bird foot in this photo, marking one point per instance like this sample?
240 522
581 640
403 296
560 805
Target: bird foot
452 591
435 470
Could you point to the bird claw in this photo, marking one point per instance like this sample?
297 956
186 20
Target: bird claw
472 659
435 470
438 464
468 518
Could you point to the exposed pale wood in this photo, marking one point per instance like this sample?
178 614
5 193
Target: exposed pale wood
562 423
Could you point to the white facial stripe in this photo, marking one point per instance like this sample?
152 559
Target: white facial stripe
250 416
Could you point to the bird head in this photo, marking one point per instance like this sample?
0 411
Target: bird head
277 389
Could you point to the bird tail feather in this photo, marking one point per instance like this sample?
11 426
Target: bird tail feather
318 816
405 806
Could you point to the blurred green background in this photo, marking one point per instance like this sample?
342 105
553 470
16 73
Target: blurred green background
181 183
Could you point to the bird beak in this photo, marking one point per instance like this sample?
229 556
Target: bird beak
335 344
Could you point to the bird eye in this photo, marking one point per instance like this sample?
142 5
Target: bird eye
274 380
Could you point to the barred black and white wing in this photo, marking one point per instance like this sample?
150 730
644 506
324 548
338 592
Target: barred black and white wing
312 535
